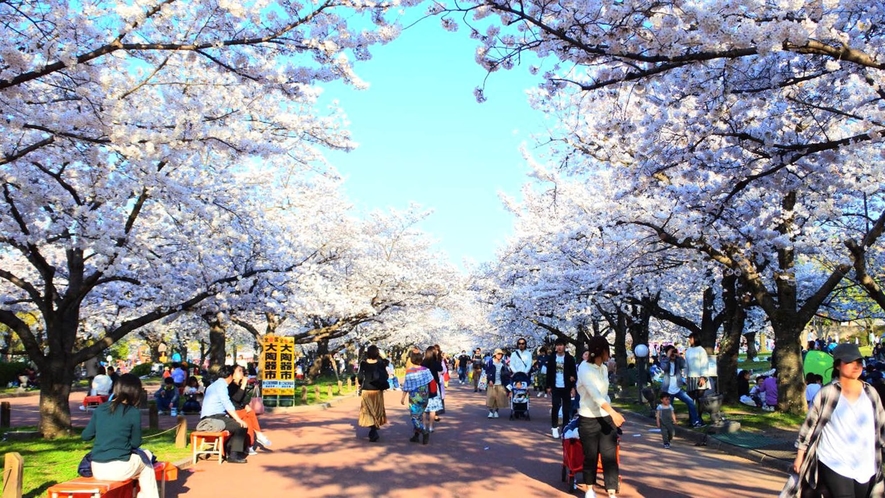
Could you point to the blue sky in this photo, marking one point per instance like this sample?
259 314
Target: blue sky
424 138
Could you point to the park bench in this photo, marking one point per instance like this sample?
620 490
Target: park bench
208 444
89 487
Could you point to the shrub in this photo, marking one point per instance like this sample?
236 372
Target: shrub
10 371
141 369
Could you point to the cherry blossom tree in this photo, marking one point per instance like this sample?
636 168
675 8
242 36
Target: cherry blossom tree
124 126
748 128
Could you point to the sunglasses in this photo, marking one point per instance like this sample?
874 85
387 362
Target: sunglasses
520 344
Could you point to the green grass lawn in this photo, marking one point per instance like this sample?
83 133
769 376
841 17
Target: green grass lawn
48 462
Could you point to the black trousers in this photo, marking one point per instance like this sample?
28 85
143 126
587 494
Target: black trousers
561 398
599 436
239 437
840 486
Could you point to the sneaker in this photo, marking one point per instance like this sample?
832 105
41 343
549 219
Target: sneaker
612 493
253 451
590 493
415 437
555 432
496 413
545 395
431 429
697 424
491 414
667 446
262 439
539 394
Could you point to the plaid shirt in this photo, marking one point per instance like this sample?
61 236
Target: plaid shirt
416 377
809 436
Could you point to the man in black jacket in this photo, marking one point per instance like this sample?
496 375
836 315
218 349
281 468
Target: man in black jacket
561 377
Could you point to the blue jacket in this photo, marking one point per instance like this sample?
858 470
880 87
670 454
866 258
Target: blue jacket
490 372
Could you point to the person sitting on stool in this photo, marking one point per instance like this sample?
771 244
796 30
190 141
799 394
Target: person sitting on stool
167 397
217 404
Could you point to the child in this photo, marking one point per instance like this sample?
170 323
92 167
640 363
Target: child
665 418
193 392
415 386
813 382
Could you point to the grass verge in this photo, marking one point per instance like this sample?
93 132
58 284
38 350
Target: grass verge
48 462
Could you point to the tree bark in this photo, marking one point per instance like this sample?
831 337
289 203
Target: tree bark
216 342
735 315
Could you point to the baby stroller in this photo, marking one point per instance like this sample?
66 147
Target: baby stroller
519 397
573 455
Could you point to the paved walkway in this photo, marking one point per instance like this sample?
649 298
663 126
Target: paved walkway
321 453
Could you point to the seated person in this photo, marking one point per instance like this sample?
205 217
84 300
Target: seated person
193 395
754 398
239 393
813 383
167 397
769 390
101 383
217 405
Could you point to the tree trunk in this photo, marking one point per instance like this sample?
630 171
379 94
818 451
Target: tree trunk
621 350
752 353
55 392
322 361
216 342
733 325
790 379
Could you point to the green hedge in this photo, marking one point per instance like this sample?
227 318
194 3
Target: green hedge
10 371
141 369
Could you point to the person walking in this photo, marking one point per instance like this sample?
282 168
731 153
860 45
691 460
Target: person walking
541 372
434 401
372 380
498 377
841 444
478 365
416 389
116 428
598 422
673 367
665 419
561 376
521 361
696 361
462 361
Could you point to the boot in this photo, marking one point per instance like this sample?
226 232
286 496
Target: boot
415 437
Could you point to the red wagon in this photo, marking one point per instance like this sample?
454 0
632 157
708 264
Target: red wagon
573 460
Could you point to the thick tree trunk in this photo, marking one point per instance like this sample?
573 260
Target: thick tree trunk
729 347
55 392
790 379
752 352
216 342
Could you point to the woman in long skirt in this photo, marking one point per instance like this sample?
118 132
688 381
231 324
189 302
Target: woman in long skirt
372 379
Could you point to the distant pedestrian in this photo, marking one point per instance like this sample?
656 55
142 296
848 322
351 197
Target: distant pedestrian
372 379
541 372
416 390
673 366
498 377
841 444
478 365
665 419
462 361
561 376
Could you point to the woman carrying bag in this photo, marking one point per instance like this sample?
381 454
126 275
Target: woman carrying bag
372 379
842 441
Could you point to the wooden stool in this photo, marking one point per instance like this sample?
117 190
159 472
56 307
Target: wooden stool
208 444
92 402
88 487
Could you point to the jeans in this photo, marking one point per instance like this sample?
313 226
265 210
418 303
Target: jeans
692 409
599 437
462 374
561 398
167 399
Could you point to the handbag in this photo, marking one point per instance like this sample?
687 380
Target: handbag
257 405
85 467
483 382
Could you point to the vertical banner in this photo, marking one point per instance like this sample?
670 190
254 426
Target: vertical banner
278 374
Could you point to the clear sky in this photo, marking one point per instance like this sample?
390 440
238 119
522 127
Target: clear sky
424 138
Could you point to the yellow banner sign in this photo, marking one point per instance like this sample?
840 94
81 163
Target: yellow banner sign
278 374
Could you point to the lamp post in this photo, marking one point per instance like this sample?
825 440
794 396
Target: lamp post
641 354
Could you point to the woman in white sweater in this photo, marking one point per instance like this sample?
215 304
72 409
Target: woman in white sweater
599 422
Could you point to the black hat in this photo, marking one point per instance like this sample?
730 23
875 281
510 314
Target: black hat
847 352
